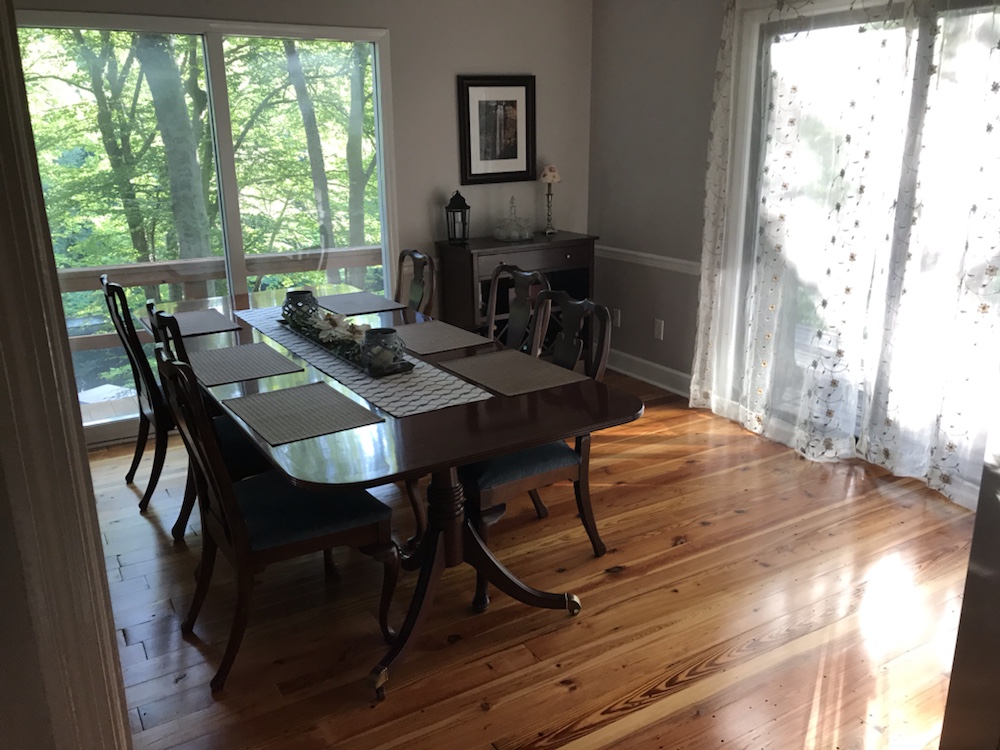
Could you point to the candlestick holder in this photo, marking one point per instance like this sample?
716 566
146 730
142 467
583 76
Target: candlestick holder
549 229
550 175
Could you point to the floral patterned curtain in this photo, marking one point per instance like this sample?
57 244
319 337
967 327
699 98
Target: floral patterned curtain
849 295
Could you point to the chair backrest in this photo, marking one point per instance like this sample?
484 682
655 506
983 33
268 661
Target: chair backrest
166 331
421 292
220 512
521 309
150 400
569 344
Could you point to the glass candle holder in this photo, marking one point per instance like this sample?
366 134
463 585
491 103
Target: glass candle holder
299 307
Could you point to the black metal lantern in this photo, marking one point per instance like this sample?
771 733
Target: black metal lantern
456 216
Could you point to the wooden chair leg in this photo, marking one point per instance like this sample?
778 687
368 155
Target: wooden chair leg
203 575
140 447
582 491
540 509
159 456
187 505
329 566
243 596
419 513
388 555
483 520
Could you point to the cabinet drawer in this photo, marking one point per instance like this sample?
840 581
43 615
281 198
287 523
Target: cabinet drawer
546 259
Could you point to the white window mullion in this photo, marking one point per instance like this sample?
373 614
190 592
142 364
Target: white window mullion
225 161
386 161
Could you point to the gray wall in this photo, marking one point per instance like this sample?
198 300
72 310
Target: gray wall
431 43
653 72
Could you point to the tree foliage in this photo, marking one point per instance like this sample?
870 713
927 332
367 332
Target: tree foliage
123 131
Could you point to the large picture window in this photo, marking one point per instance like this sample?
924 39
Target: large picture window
191 163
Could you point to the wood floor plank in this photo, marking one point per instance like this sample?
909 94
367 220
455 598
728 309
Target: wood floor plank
749 598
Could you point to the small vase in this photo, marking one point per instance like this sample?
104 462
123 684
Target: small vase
299 307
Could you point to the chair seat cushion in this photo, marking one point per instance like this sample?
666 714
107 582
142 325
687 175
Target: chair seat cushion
278 513
514 467
242 458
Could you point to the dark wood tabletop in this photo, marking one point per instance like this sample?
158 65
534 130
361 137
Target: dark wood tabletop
413 446
435 443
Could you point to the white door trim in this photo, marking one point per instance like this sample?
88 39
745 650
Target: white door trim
48 518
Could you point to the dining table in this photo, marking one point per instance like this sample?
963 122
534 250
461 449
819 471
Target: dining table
428 421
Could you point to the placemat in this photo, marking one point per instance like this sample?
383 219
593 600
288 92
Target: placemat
235 363
358 303
512 373
299 413
424 388
437 336
200 322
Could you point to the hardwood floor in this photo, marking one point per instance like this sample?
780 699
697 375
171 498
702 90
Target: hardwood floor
749 598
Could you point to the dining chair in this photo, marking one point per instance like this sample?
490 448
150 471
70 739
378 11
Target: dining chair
153 409
420 298
516 330
420 295
239 454
488 484
265 519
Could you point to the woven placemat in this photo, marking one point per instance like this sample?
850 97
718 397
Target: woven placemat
437 336
236 363
305 411
358 303
201 322
512 373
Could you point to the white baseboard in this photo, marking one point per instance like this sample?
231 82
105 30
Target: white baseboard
114 432
650 372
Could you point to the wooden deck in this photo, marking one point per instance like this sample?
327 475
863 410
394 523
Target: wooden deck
749 599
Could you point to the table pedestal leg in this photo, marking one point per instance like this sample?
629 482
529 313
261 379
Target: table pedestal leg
430 574
478 555
450 540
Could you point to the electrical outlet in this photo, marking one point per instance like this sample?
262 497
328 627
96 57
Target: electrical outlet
657 329
616 317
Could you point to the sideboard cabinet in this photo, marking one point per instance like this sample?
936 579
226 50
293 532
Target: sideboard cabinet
566 259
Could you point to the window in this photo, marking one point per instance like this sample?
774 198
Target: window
190 163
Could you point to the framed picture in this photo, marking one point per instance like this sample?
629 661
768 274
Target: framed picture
496 128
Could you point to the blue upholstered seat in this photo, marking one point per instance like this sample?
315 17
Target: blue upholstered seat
514 467
278 513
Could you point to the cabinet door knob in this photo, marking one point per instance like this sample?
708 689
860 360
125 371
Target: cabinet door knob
568 256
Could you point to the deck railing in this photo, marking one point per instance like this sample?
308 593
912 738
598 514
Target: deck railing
199 270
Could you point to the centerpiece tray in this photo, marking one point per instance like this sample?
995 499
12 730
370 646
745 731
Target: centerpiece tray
350 352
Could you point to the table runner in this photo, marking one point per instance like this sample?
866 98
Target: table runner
425 388
200 322
236 363
512 373
437 336
358 303
305 411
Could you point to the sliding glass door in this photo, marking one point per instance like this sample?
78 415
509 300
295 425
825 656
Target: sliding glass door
191 163
851 290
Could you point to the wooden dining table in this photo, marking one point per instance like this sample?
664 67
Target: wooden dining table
434 442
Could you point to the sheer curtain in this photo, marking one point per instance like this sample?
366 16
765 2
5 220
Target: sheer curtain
849 291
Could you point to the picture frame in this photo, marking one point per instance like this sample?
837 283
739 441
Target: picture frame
496 128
